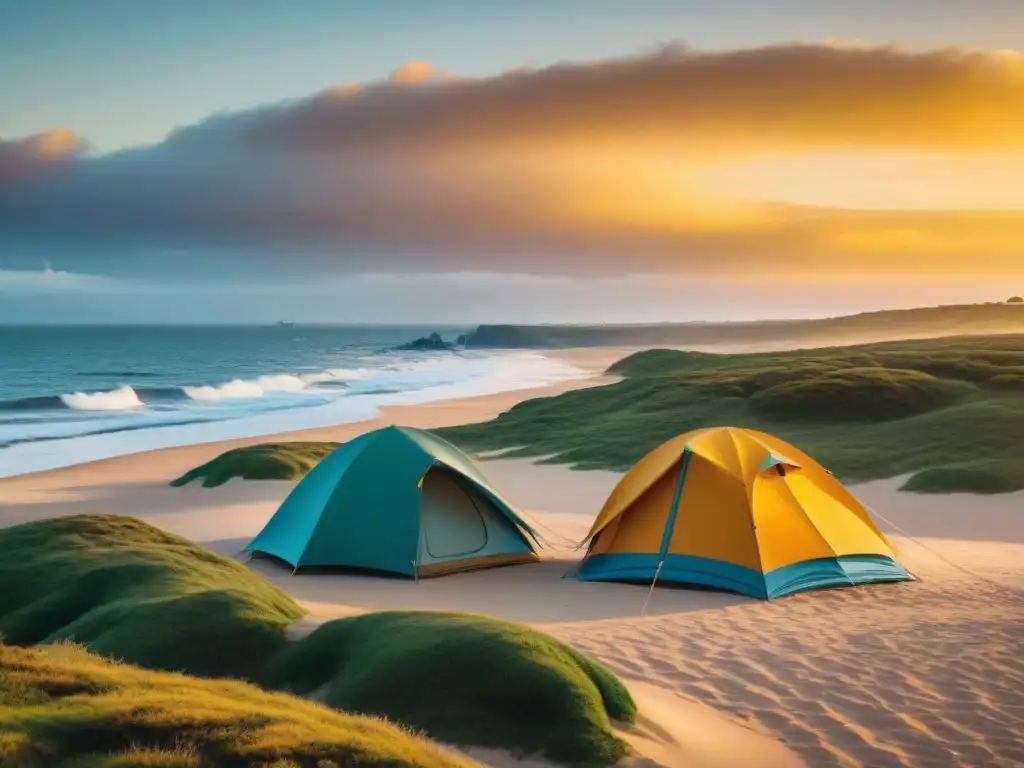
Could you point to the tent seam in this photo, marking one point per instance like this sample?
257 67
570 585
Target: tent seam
312 533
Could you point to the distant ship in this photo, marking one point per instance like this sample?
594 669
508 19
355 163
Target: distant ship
284 324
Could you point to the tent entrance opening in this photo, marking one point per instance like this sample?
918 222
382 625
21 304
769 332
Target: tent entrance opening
452 521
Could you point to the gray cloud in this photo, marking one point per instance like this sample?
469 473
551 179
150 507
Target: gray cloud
427 172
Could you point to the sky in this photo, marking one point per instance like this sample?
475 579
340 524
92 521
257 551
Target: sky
447 161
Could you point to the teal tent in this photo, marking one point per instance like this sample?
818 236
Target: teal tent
399 500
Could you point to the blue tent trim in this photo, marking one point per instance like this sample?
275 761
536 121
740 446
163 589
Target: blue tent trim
717 574
670 523
833 572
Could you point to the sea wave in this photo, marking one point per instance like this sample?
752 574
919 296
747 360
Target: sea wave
242 388
123 398
274 384
129 398
41 403
398 375
47 431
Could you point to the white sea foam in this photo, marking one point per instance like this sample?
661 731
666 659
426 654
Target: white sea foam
242 388
120 399
268 404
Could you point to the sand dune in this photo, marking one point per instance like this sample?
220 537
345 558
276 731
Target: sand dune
929 673
924 674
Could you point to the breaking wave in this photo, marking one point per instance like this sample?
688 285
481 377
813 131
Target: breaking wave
128 398
121 399
38 432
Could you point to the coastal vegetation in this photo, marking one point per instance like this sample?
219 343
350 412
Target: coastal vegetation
463 679
949 412
62 706
269 461
122 589
127 590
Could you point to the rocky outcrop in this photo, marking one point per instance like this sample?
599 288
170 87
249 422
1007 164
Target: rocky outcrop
431 343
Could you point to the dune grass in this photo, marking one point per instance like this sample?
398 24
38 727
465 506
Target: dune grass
61 707
857 394
951 407
127 590
463 679
269 461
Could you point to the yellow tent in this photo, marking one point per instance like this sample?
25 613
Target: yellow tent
740 510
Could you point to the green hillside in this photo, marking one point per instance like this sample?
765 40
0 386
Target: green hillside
950 409
128 590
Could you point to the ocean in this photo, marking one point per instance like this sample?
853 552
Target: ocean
70 394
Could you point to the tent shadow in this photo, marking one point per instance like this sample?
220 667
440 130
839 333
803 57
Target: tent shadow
539 592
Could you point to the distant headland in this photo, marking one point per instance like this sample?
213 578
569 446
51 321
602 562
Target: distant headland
863 328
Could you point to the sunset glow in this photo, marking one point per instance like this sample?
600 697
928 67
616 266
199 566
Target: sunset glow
821 157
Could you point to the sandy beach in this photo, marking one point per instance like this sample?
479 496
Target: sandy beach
929 673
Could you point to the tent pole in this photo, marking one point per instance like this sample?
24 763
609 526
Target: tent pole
670 523
415 572
654 581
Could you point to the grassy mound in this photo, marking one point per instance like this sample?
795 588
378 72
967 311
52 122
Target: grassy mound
62 707
465 680
857 394
128 590
996 476
866 412
270 461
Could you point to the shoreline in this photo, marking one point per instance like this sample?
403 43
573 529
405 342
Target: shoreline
429 414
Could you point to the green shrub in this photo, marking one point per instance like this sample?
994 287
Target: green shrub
857 394
465 680
270 461
128 590
61 707
657 362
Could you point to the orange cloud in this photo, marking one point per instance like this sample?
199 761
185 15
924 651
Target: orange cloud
26 157
412 73
590 168
763 99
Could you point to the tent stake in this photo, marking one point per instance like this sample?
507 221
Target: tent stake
415 572
654 581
